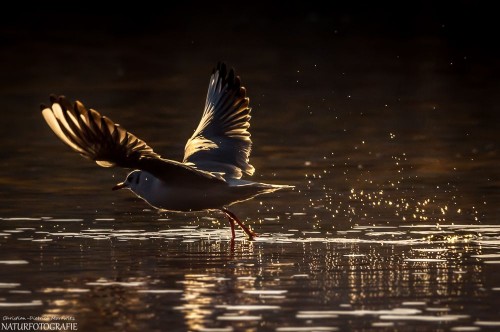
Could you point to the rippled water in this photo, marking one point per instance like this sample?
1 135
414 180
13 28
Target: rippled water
153 274
392 225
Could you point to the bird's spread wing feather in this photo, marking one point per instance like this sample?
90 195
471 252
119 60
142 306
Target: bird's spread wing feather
222 143
98 138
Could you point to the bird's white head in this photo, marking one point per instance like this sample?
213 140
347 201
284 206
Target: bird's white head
132 181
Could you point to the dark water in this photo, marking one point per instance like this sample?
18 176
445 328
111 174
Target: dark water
390 133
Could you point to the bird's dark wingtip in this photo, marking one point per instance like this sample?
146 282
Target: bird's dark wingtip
65 103
227 74
59 99
53 98
220 65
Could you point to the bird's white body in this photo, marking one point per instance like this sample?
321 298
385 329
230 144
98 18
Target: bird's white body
192 196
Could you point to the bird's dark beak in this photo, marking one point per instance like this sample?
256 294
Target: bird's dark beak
120 185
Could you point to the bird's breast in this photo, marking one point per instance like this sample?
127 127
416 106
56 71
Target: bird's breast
187 197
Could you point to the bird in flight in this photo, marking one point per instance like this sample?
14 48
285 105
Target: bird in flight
215 157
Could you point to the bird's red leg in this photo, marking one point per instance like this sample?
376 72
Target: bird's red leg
231 222
232 218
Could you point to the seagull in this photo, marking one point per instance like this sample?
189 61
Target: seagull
215 157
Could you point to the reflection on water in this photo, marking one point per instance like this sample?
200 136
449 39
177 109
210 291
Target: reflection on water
187 277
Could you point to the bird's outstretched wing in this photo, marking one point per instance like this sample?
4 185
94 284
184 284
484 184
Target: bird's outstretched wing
222 143
98 138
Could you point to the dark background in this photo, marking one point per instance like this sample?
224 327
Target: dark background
59 49
321 78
